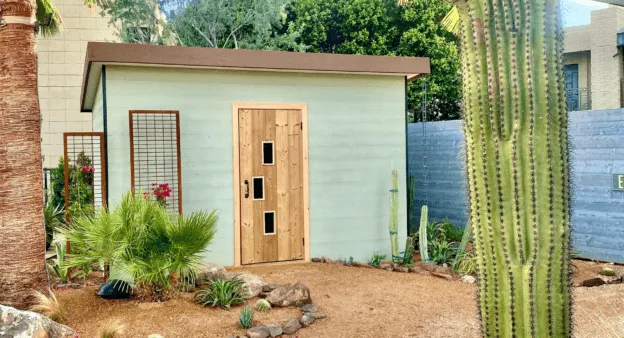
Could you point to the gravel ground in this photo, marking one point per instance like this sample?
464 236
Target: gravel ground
359 302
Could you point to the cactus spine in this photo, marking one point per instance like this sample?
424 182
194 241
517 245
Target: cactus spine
515 123
394 217
422 235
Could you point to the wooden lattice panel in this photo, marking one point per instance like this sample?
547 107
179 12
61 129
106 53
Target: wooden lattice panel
85 168
155 153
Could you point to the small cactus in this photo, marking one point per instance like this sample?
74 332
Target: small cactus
245 318
408 255
422 237
262 305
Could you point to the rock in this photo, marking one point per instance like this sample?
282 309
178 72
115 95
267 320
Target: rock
253 283
385 266
445 265
607 272
25 324
317 259
442 275
210 271
270 287
593 282
259 332
290 295
401 269
306 320
309 308
468 279
434 268
155 335
291 326
360 265
114 289
275 330
317 315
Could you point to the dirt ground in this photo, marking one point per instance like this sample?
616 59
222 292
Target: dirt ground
359 302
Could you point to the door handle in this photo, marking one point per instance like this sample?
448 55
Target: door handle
246 189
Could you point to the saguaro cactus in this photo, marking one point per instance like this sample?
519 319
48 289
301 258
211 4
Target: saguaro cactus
515 123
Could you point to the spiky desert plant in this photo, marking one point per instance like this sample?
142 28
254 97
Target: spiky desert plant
263 305
49 306
245 317
422 236
408 255
111 329
410 201
515 126
222 292
394 216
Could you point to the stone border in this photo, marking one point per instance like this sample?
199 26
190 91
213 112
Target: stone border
421 268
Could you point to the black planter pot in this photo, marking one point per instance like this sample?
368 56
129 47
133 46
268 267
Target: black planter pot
114 289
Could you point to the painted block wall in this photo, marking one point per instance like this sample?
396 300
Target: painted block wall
356 137
597 140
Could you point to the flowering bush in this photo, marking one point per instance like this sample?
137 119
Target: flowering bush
160 192
87 170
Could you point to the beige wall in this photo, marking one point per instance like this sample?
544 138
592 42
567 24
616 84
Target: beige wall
61 62
602 70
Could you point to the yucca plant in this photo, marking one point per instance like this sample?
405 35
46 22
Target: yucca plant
59 267
515 126
245 317
222 292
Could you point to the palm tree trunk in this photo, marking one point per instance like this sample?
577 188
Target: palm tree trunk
22 236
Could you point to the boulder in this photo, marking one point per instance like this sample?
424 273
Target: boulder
114 289
434 268
210 271
593 282
290 295
259 332
317 315
253 283
385 266
25 324
309 308
270 287
275 330
401 269
468 279
291 326
307 320
317 259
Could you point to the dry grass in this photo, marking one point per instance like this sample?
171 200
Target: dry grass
111 329
49 307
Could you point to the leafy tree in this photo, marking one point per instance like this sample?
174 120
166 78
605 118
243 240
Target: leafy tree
385 27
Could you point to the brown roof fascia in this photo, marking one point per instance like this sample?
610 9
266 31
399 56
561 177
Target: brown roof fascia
119 53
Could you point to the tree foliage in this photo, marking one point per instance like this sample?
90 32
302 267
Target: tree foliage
384 27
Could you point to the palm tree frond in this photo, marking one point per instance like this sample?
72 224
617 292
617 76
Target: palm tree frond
49 18
451 20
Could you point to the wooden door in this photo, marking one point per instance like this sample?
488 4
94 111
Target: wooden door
271 185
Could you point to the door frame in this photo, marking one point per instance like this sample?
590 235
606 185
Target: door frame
236 170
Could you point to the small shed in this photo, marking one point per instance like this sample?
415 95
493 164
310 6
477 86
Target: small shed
294 150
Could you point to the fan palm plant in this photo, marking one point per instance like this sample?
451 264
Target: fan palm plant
21 271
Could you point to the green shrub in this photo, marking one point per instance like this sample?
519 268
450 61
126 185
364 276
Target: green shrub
245 318
52 219
262 305
221 292
465 263
59 267
450 232
376 259
145 246
441 251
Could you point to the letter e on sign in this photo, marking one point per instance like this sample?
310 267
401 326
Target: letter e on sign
618 182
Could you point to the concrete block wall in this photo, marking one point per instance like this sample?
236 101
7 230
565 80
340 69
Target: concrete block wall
61 64
597 139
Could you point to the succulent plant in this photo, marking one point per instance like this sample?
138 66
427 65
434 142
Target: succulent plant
245 318
517 163
262 305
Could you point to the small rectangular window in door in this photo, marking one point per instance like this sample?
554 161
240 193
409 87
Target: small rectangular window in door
267 153
269 222
258 188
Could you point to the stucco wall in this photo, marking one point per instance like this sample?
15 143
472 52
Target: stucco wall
61 64
356 137
583 60
596 152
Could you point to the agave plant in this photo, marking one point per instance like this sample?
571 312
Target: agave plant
222 292
515 125
245 318
59 267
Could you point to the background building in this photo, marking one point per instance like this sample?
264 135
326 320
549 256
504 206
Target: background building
61 62
594 63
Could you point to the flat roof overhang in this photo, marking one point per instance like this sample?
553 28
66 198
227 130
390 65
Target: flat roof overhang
102 53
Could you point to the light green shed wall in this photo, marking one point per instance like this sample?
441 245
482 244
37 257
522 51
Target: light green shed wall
97 117
356 136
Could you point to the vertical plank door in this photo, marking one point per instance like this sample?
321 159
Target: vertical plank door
271 185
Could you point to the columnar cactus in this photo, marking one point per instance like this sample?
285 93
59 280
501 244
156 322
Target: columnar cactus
515 123
422 234
394 217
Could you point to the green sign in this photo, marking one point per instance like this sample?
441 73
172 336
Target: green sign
618 182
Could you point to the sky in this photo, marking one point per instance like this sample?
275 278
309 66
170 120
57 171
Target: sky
576 12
